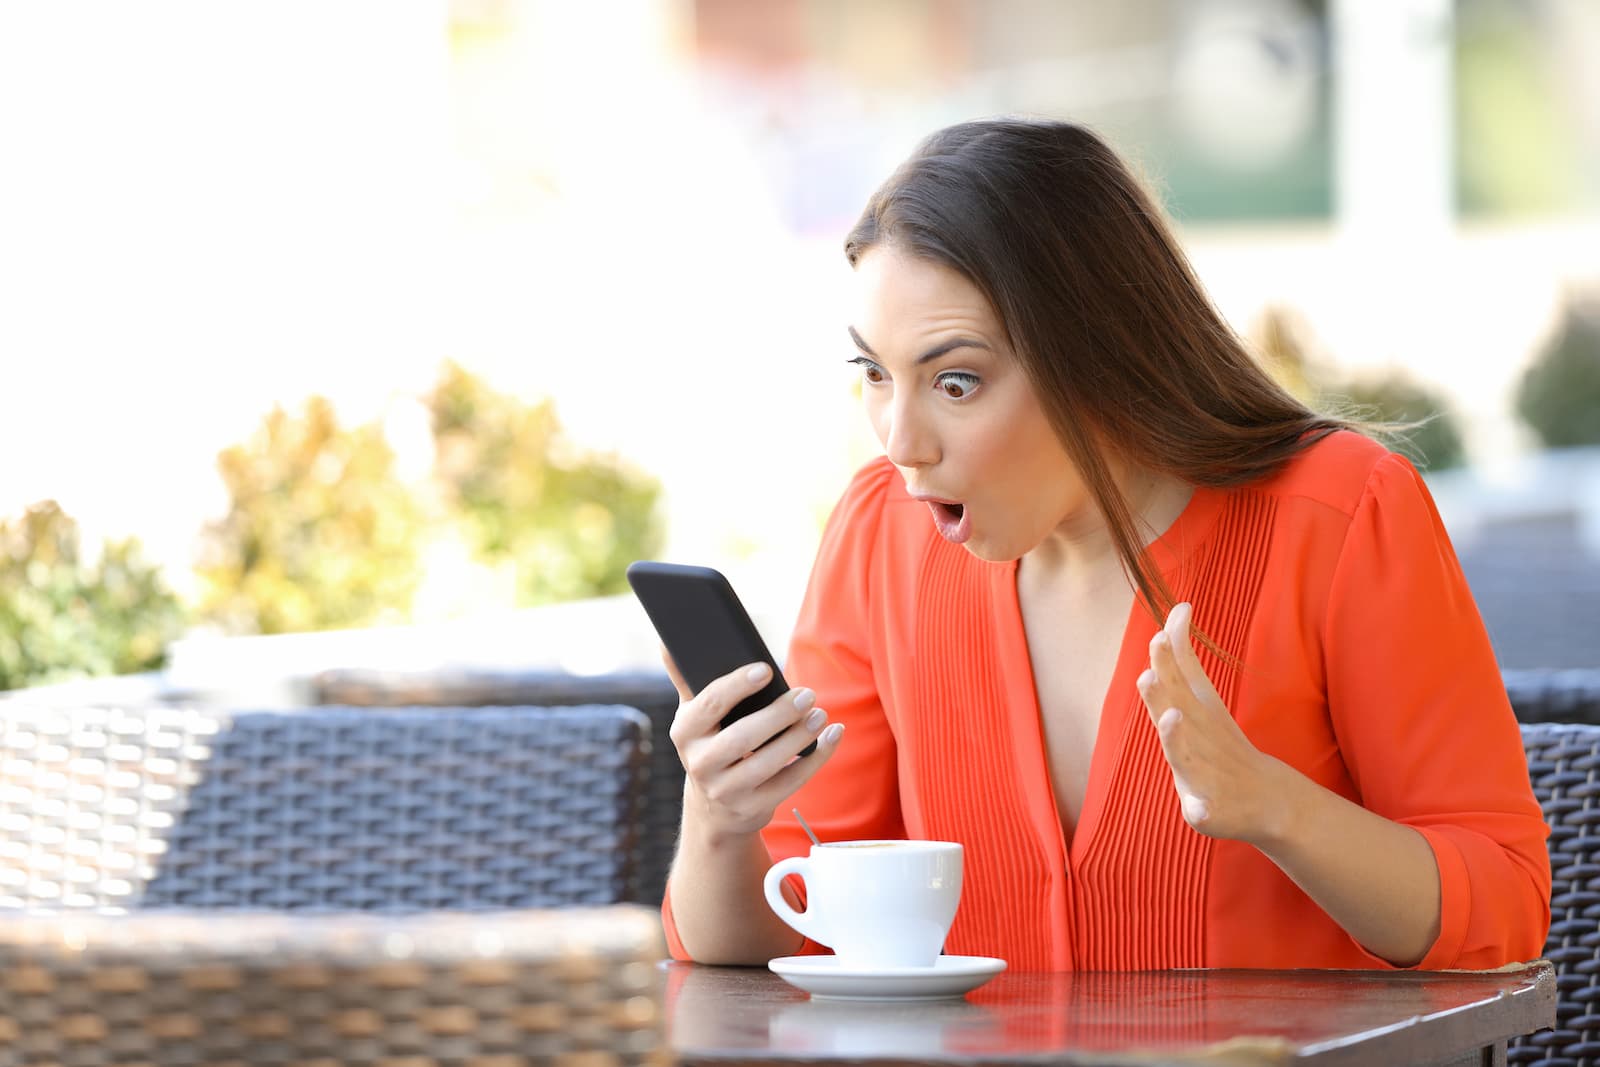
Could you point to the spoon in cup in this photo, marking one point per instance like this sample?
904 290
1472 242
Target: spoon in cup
805 827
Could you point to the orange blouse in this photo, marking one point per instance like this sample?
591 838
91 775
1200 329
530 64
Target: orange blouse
1360 660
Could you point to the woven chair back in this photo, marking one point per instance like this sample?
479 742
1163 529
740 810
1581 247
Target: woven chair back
321 809
649 691
1564 765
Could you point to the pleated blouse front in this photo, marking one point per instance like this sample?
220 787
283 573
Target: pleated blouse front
1357 657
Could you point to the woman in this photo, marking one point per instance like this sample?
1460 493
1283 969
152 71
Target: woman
1190 670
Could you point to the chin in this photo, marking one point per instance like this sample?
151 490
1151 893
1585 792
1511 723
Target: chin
990 553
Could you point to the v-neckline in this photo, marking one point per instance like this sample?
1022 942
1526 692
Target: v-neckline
1116 713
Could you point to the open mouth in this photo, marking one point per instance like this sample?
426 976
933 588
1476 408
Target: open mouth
952 520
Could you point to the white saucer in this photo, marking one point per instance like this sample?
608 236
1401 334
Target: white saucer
950 976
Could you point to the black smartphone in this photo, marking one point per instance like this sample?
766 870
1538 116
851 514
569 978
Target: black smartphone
705 629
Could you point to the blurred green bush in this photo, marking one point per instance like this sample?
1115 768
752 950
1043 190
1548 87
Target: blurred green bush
1559 396
320 531
323 532
1409 416
568 522
66 613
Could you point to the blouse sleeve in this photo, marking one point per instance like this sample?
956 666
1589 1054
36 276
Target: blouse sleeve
856 796
1422 719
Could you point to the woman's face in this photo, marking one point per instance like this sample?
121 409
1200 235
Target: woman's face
954 410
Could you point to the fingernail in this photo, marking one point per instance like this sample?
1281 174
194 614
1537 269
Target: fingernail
833 733
803 699
1145 680
815 720
757 672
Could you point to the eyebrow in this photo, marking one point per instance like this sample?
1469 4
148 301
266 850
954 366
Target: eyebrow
931 354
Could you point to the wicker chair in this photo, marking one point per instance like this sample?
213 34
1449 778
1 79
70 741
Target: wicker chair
650 692
323 809
1564 765
510 988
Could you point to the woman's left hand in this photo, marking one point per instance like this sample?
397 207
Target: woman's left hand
1227 787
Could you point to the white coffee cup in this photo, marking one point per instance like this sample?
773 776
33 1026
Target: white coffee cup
877 904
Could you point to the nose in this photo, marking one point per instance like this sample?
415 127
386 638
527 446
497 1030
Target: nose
908 437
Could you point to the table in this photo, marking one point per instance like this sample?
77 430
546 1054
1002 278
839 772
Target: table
737 1015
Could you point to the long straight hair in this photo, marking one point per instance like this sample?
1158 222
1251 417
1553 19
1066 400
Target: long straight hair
1117 336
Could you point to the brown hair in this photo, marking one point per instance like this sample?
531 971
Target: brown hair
1113 328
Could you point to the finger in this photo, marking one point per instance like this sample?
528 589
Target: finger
1168 723
1169 686
685 694
1178 621
752 733
1187 688
1187 661
701 714
1148 688
700 719
784 784
1169 727
1163 662
753 771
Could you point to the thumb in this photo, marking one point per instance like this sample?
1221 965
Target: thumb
684 694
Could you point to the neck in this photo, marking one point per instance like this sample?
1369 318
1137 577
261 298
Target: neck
1081 549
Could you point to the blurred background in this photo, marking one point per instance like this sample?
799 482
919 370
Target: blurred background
371 334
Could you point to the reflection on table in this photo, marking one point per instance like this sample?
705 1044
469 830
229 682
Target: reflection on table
722 1014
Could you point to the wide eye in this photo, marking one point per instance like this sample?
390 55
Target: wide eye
870 371
957 385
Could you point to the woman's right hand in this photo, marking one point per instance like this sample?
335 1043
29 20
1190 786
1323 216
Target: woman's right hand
736 777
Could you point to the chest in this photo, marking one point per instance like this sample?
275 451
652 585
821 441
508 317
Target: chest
1075 639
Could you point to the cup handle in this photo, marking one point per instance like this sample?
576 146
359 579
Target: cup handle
806 922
